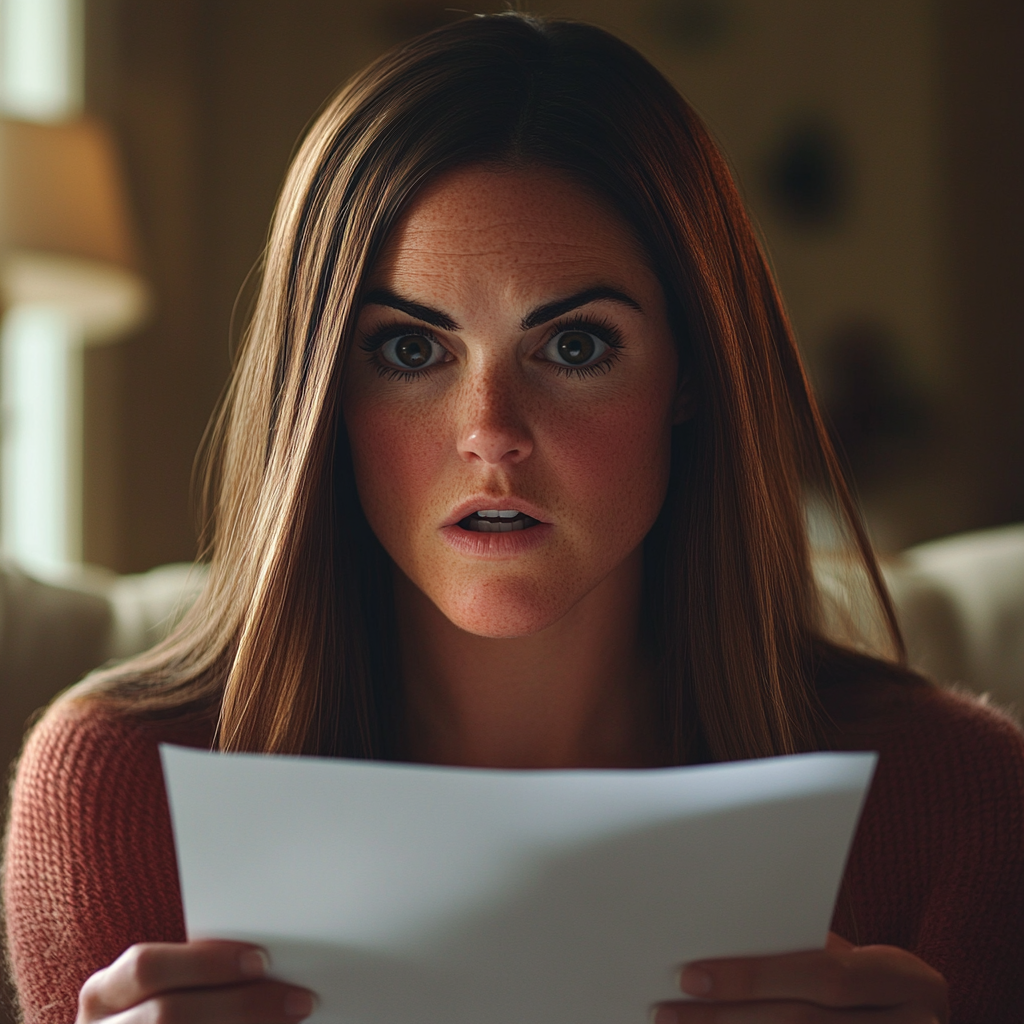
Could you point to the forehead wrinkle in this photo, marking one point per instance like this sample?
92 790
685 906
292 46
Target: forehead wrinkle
405 251
470 218
420 258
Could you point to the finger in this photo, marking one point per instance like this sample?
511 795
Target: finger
866 976
150 968
785 1012
837 944
270 1002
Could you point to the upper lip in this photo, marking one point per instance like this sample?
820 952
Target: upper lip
488 501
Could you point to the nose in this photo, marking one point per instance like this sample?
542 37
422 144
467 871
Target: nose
492 427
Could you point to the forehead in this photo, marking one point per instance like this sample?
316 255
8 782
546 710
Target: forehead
484 219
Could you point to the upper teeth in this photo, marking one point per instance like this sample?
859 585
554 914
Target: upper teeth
498 513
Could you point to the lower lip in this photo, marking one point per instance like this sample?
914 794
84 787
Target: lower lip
496 545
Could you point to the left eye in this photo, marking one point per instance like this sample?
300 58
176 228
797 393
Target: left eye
574 348
411 352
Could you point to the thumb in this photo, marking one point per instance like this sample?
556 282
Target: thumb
837 944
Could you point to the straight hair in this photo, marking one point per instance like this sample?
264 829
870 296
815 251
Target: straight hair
291 646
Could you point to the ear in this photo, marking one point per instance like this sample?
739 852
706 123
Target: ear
684 405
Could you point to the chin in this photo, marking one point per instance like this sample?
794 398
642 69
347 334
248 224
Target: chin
503 612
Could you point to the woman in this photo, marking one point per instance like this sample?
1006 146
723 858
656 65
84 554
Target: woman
512 473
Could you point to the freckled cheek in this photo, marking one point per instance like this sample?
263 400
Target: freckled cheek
397 459
614 465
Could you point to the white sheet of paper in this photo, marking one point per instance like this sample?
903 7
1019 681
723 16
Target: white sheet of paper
406 894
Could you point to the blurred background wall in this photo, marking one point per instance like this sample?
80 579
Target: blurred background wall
878 142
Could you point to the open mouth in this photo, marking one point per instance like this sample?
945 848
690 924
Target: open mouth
495 520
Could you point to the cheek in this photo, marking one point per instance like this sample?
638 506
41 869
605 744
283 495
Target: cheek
614 461
396 456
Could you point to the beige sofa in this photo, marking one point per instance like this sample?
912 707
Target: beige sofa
961 605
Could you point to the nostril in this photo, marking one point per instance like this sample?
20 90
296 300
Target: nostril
495 445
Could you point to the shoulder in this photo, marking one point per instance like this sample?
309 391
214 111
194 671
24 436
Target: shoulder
91 773
84 755
89 865
973 732
91 722
944 755
943 729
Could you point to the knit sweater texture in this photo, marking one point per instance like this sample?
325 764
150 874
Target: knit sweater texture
937 866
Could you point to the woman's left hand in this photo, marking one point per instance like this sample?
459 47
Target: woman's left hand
842 983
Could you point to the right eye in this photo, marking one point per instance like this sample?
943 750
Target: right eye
411 352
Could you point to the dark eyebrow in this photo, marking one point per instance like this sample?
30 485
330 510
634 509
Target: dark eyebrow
434 317
542 314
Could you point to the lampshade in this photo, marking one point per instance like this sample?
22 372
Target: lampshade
65 234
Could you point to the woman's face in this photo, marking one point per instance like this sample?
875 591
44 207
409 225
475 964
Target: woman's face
509 397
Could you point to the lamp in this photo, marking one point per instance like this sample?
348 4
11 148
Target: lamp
65 235
68 278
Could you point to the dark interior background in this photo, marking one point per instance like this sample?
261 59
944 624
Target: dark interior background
879 143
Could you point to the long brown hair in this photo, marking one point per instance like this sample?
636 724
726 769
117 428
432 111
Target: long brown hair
291 646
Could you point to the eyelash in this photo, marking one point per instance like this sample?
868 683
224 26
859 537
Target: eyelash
599 327
372 343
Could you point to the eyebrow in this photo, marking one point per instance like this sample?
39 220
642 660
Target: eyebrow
434 317
541 315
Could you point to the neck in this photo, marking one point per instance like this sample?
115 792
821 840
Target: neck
576 694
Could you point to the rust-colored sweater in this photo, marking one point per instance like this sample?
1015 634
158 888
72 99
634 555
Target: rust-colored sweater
937 865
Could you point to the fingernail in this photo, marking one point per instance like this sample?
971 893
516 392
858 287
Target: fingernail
695 981
664 1015
253 963
298 1004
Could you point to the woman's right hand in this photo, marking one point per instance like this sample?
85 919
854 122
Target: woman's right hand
207 982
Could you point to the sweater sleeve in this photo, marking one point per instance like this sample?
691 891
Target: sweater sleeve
938 863
89 864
